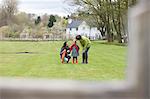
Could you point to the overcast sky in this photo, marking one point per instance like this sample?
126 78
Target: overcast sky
44 6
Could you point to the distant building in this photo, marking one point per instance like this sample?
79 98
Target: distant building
25 34
77 27
47 36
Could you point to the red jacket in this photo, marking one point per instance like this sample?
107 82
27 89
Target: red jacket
76 46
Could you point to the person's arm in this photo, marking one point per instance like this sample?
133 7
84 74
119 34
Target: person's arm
77 47
71 47
61 51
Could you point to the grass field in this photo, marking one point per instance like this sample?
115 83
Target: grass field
106 62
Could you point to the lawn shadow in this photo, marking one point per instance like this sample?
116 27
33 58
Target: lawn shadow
26 52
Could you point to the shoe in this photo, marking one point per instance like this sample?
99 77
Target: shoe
76 61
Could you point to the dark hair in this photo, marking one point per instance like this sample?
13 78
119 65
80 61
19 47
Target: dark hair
78 37
65 44
75 42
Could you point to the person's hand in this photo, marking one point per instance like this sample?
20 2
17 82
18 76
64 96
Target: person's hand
83 51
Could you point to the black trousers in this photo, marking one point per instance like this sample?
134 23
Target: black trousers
85 55
69 57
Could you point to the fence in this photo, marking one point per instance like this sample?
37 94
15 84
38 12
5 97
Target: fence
136 85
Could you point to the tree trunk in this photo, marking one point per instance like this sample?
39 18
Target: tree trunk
119 36
110 37
109 34
102 30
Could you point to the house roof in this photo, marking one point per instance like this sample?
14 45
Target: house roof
74 24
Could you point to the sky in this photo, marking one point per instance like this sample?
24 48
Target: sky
40 7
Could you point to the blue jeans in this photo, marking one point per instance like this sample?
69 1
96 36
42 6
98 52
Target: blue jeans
85 55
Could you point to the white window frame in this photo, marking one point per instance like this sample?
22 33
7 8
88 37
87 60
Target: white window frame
136 85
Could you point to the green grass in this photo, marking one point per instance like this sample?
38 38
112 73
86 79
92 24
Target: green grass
106 62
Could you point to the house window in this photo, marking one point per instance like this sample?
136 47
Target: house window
76 29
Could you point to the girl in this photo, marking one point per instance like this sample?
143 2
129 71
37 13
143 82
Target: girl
75 52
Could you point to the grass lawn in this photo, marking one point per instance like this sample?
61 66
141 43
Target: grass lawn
106 62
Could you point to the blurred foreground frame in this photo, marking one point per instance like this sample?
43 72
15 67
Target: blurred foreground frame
135 86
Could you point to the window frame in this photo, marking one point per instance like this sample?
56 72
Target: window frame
70 29
136 85
83 28
77 29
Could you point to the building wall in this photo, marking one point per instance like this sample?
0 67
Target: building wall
95 34
84 29
71 33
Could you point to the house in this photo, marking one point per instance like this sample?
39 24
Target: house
78 27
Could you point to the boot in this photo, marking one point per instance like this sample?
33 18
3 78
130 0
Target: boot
73 61
76 61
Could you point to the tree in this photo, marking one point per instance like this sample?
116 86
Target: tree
38 20
110 16
98 12
45 19
64 22
52 19
8 10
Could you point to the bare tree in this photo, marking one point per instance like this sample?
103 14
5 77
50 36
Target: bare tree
8 10
110 16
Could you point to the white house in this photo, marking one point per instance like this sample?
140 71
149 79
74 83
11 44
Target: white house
77 27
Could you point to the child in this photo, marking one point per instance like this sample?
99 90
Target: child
75 52
64 53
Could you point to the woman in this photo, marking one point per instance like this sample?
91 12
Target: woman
65 53
86 44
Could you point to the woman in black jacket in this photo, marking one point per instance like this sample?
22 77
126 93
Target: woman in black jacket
67 55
